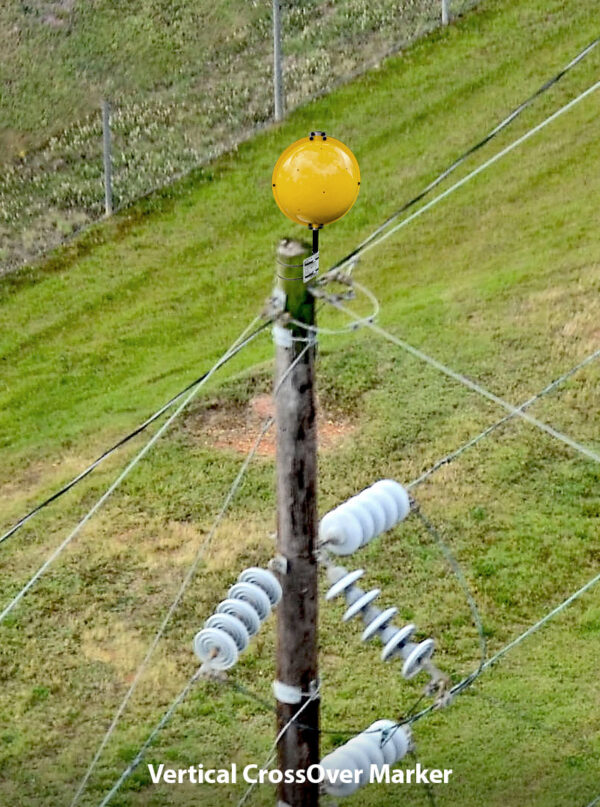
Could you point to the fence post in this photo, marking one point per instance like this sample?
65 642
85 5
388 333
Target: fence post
277 72
106 142
445 12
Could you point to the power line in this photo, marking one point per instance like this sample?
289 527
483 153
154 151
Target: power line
498 156
466 682
151 737
472 385
253 696
267 423
273 751
466 154
474 440
354 253
99 502
514 411
165 719
540 623
409 719
186 581
470 679
240 343
459 574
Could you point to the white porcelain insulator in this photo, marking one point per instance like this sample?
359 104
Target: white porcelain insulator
357 521
360 603
388 749
415 656
352 594
387 502
231 625
398 493
266 580
341 532
373 507
368 745
339 760
363 516
216 648
382 743
242 611
254 595
343 582
391 734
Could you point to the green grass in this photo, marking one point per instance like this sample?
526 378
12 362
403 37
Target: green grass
500 282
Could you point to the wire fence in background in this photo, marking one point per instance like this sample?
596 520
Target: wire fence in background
213 93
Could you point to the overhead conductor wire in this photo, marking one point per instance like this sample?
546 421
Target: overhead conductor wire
370 242
472 385
513 411
348 258
167 618
468 681
487 431
240 343
409 719
273 751
484 166
464 156
122 476
268 422
151 737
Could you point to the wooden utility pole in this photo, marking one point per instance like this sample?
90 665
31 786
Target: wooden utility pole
295 407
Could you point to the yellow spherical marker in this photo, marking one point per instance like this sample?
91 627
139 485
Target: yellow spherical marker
316 180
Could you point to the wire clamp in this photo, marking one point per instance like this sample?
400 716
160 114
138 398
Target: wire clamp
282 336
292 695
286 693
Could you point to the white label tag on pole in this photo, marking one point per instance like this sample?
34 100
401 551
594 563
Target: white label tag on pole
310 267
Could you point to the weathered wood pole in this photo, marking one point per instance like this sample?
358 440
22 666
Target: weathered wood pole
295 409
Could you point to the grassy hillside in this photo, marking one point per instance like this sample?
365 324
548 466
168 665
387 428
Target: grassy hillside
501 282
185 81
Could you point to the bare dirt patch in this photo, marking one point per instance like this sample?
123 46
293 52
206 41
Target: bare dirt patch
233 428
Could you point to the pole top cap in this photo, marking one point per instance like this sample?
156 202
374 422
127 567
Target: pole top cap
316 180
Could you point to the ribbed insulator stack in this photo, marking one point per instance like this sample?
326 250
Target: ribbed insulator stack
383 743
360 519
396 640
228 631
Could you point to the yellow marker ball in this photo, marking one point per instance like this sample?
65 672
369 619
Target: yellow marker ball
316 180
